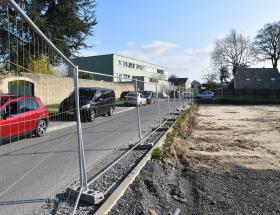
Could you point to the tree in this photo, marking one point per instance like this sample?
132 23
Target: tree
210 78
224 74
267 43
232 51
66 22
41 66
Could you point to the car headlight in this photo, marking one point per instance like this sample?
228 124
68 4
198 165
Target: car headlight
86 106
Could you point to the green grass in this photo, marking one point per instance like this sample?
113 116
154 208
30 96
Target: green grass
156 154
53 106
119 103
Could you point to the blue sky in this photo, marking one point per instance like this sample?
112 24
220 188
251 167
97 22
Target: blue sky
178 34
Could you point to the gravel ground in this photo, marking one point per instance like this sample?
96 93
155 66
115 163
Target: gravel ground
161 189
229 164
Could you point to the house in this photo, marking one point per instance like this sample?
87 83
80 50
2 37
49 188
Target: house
196 87
257 79
183 83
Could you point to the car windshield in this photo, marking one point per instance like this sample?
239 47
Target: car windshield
131 94
87 92
146 93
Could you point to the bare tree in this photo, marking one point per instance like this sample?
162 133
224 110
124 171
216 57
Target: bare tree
267 43
232 51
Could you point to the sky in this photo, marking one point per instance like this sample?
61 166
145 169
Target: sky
177 34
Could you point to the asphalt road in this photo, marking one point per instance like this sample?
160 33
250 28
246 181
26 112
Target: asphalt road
33 169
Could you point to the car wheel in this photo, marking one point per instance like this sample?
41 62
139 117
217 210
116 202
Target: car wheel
92 116
41 128
111 111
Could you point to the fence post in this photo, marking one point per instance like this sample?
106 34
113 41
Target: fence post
83 176
180 103
159 119
168 100
138 114
174 98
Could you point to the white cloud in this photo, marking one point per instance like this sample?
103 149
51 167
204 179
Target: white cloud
184 63
87 52
158 47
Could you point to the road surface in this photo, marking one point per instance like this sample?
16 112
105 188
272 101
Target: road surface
34 169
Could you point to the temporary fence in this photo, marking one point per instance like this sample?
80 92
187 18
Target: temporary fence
48 106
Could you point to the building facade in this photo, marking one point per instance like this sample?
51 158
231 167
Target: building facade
121 67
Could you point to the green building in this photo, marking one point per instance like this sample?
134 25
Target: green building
121 67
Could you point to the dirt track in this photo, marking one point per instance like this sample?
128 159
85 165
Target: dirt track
228 165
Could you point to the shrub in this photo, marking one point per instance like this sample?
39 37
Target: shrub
41 65
156 154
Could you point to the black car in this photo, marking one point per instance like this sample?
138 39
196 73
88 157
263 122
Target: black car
123 94
94 102
150 96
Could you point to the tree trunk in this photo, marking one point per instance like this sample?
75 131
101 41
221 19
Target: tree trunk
274 62
234 70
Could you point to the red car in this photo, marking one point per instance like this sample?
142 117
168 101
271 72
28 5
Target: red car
22 115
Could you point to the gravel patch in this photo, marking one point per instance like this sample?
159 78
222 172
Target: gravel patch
161 189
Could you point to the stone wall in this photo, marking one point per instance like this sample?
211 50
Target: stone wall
53 89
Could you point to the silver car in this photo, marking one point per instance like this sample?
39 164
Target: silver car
132 99
206 95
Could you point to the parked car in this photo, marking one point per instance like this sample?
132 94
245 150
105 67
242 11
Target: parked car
93 102
163 95
21 116
135 99
205 95
123 94
150 96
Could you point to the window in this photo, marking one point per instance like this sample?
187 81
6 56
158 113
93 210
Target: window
28 104
273 79
248 79
153 80
11 109
258 79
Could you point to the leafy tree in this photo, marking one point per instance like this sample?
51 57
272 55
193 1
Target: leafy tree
267 43
41 66
234 50
66 23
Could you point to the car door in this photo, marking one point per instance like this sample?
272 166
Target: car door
104 102
9 123
28 116
98 102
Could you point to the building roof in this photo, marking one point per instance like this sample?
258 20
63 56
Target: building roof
94 56
178 81
195 82
257 78
260 72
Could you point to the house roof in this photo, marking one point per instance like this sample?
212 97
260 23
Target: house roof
257 78
257 72
195 82
178 81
